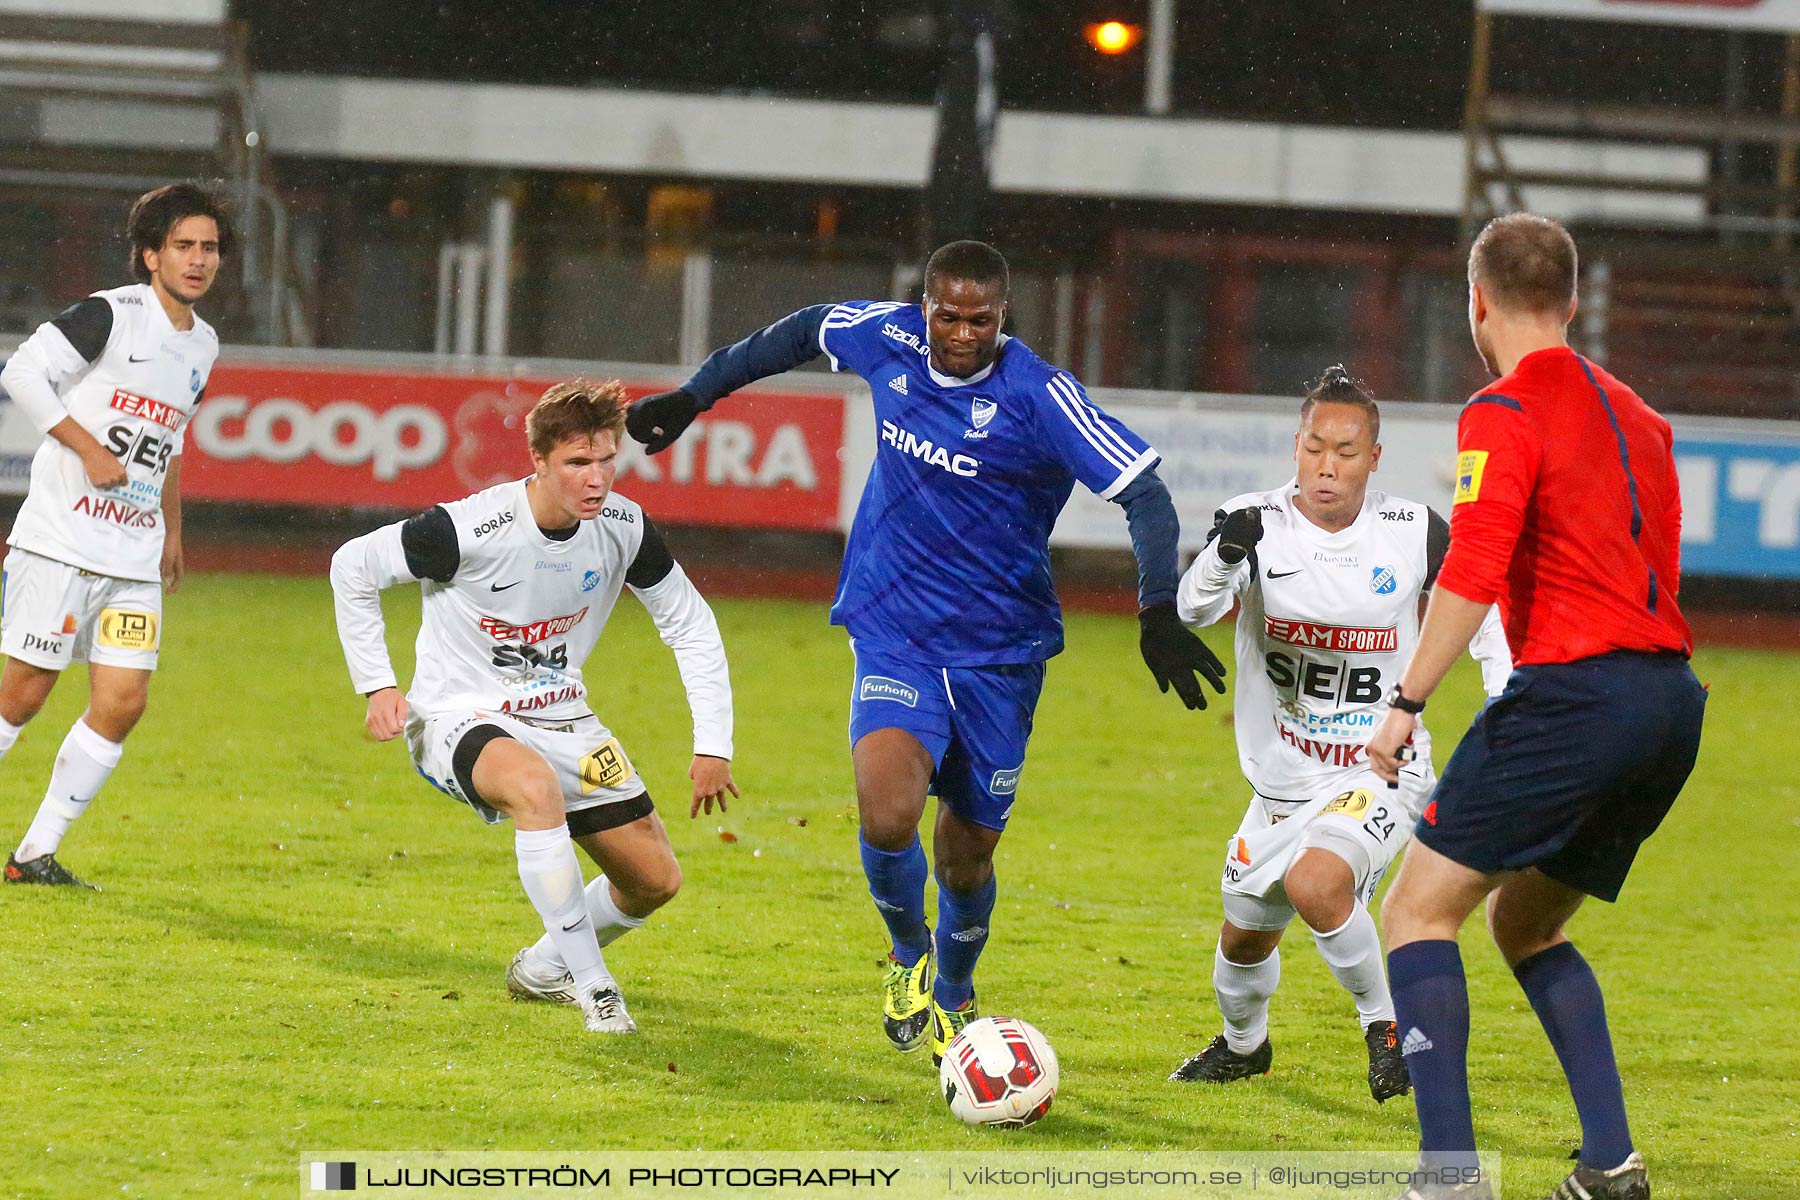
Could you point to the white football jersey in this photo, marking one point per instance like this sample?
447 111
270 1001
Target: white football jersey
1326 625
116 364
511 614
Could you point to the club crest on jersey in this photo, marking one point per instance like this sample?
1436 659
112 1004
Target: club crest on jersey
590 581
194 381
981 411
1382 581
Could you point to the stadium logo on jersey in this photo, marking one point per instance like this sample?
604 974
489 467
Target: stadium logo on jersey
1344 639
1471 465
982 410
927 451
1382 581
166 415
904 338
898 383
535 631
880 687
590 581
1005 783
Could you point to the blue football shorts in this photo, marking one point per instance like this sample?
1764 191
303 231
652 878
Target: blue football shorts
1570 769
974 722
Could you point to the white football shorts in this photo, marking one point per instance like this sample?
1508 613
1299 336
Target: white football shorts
52 614
588 760
1361 820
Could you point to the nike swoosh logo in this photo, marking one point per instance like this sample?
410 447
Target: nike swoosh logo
501 587
134 358
1272 574
575 926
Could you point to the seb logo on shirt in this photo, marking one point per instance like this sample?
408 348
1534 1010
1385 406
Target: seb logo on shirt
1470 466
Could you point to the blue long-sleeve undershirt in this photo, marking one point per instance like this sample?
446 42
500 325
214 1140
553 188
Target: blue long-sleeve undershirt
794 340
786 344
1155 535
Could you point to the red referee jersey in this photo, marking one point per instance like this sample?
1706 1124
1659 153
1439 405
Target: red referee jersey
1567 513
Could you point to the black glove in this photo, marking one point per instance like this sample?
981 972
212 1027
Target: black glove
1238 532
1175 656
658 420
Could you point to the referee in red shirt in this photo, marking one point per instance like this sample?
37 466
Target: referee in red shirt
1568 515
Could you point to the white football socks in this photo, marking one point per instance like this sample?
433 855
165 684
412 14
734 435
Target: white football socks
552 878
82 766
1243 994
9 733
610 924
1353 952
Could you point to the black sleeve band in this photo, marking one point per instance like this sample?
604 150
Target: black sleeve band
87 324
653 562
1437 544
429 540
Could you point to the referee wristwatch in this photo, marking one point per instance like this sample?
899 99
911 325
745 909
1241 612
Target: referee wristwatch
1397 699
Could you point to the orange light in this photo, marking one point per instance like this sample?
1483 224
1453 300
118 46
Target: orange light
1113 37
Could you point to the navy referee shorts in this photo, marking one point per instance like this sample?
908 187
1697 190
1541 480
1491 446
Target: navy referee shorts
1570 769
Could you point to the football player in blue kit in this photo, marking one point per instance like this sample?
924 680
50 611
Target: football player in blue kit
946 591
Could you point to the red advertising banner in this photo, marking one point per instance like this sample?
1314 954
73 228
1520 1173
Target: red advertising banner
336 436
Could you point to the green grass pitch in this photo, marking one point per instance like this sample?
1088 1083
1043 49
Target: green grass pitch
300 944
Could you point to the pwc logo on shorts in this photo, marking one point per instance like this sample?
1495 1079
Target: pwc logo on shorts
880 687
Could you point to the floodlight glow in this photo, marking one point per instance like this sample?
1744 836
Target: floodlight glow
1113 37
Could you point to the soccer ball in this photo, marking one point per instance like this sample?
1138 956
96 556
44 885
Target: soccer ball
998 1071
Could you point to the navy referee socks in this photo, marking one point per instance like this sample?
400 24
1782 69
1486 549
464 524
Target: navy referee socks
1566 997
1431 1008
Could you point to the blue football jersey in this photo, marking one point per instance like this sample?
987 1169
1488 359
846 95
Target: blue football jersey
949 555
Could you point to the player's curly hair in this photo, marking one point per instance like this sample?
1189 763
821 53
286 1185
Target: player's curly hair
1526 262
1336 386
155 214
577 408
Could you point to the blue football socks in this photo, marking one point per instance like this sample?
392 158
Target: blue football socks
1431 1007
961 934
1566 997
897 882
